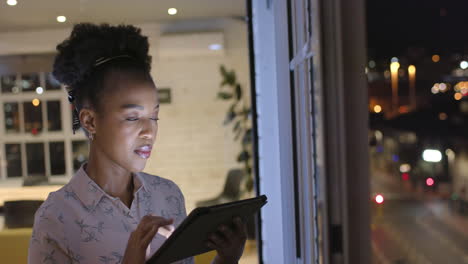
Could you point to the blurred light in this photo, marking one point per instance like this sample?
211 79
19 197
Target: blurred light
15 89
394 67
372 64
172 11
405 176
366 70
403 109
450 154
429 181
457 96
9 121
39 90
411 69
405 167
8 108
386 74
61 19
394 59
379 199
442 87
11 2
443 116
379 149
432 155
377 109
36 102
435 88
378 135
395 158
215 46
435 58
464 65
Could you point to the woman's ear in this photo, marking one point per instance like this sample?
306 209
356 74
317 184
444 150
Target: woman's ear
88 120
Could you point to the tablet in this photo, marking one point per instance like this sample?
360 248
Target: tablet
190 237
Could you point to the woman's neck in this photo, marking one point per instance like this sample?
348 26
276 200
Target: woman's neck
112 178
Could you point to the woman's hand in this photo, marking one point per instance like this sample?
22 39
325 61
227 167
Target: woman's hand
229 242
139 240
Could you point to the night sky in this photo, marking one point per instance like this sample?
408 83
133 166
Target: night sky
402 27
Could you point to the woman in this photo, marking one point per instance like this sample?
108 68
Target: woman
110 211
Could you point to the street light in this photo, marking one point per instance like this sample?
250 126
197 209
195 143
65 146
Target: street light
412 84
432 155
394 66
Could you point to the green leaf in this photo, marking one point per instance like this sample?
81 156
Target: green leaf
243 156
236 126
222 69
247 139
229 117
238 133
238 92
224 95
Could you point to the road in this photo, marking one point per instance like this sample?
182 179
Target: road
406 230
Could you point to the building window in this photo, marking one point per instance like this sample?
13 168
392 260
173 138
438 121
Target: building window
13 160
57 158
12 121
8 83
35 159
54 118
32 116
29 82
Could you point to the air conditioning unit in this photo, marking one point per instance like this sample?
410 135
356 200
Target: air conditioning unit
191 44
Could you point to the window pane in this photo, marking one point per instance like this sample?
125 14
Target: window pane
80 153
51 82
53 116
30 81
12 123
35 158
8 83
32 116
13 157
57 158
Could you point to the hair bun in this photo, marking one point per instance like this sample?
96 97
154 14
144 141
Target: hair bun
88 42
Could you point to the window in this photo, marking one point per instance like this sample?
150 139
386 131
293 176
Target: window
12 122
13 159
35 159
54 119
57 158
35 126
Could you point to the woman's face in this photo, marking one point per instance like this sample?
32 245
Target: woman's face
126 123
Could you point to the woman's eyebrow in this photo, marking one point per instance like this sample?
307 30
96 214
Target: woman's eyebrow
126 106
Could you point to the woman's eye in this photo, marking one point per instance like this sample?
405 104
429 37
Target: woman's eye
132 119
154 119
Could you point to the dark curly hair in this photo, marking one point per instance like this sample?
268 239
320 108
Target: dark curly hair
92 53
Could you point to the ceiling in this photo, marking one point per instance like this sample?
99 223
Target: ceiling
34 14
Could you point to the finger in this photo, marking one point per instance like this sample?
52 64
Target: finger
210 244
227 232
217 240
147 237
241 227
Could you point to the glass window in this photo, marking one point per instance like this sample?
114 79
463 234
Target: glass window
35 158
13 158
12 123
30 81
32 116
8 83
57 158
80 153
51 82
54 118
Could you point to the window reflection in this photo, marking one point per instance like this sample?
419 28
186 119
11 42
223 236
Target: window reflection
80 153
57 158
8 84
30 81
51 82
54 120
35 158
33 116
13 158
12 123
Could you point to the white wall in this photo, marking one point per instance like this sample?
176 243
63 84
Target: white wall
193 148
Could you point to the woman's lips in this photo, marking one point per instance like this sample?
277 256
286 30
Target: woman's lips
143 154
